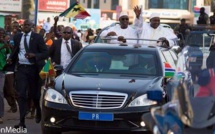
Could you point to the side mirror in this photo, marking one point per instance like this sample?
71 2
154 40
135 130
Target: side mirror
58 68
156 95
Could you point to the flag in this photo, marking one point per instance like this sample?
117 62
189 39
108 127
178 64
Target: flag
196 9
76 11
48 70
169 71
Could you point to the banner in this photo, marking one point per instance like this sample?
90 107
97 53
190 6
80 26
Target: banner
92 21
11 5
53 5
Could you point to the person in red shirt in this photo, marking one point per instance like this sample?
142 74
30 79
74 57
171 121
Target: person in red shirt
207 83
207 77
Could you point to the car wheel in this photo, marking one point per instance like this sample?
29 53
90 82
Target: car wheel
210 127
49 131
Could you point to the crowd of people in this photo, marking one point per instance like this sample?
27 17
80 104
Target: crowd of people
23 52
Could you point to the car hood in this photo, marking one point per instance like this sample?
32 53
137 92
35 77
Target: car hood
132 85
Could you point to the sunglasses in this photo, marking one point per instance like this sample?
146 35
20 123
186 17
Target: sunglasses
67 32
124 19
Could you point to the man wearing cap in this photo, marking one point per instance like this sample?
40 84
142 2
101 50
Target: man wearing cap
121 31
153 30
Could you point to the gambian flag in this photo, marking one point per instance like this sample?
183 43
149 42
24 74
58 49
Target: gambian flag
169 71
196 9
48 70
76 11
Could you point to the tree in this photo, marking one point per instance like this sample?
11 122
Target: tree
27 5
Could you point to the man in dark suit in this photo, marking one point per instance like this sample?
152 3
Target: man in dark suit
210 62
29 52
62 50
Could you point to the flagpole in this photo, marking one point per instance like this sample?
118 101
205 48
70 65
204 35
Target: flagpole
46 85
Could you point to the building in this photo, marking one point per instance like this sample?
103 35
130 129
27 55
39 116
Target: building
171 11
9 11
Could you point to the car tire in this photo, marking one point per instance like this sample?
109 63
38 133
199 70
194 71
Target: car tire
45 131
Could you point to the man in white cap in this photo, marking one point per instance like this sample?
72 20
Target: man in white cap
121 31
153 30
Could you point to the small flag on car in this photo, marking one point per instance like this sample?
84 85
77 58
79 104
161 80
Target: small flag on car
169 71
48 70
76 11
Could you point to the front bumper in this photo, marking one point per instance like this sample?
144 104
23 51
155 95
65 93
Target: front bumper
66 118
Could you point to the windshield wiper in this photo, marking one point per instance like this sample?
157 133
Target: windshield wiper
78 74
134 75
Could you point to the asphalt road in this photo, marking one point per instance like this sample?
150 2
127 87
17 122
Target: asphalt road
11 119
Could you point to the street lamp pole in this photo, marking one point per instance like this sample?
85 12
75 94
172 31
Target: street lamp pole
36 12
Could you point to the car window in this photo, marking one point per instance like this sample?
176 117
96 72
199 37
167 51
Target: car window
196 39
207 40
115 62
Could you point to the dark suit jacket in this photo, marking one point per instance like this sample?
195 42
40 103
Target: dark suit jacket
36 46
211 59
55 49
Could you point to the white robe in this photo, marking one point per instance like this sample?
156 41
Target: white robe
129 32
145 31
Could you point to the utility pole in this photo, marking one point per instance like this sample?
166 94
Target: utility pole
35 12
26 9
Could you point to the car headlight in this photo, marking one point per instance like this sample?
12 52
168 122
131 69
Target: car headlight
54 96
142 101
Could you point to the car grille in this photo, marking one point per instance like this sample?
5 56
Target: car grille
97 99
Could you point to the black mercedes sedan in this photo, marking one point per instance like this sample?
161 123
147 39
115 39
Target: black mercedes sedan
104 88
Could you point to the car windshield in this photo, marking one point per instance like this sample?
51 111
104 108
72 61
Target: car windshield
127 62
199 39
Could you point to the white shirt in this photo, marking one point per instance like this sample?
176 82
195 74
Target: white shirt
65 54
22 52
47 26
145 31
129 32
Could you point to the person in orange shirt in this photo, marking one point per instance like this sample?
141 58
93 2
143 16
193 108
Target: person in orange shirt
49 39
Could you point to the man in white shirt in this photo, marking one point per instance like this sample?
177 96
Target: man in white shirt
47 25
121 31
62 50
153 30
29 53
